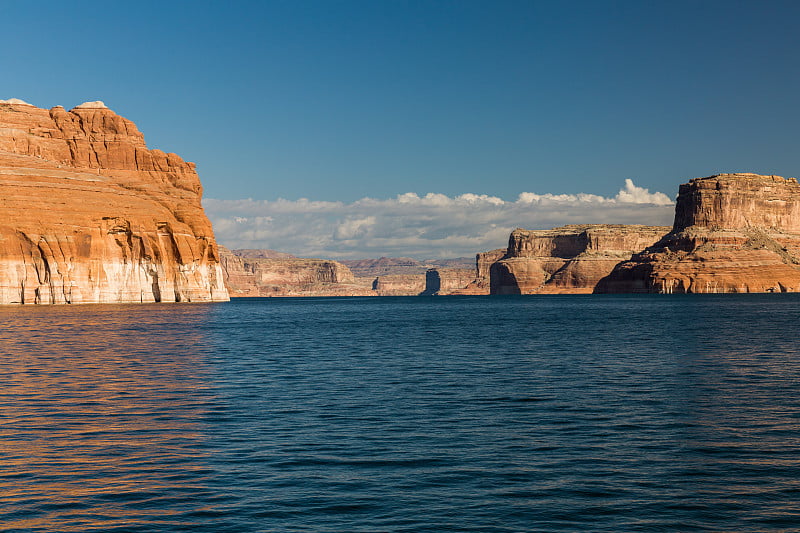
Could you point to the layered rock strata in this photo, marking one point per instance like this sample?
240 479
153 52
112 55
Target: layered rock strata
450 281
732 233
481 282
89 214
399 285
569 259
261 276
401 266
385 266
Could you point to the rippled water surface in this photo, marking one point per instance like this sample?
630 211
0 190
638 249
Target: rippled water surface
549 413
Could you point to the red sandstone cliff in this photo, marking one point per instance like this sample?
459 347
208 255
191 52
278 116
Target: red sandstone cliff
88 214
570 259
732 233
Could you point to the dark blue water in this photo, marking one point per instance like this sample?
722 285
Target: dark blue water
560 413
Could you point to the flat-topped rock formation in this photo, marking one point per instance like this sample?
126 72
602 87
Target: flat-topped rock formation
385 266
89 214
402 266
262 276
732 233
263 254
260 273
569 259
399 285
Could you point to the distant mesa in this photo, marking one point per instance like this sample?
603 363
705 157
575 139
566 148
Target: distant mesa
403 266
385 266
731 233
570 259
267 273
250 272
262 254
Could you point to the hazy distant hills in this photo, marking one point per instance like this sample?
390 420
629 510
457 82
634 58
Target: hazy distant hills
403 265
365 268
261 254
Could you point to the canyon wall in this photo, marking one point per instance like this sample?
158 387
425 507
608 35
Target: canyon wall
385 266
451 281
262 276
570 259
399 285
89 214
732 233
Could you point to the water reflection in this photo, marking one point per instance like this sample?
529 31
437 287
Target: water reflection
100 416
519 414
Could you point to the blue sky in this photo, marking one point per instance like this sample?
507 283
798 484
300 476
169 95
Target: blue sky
337 100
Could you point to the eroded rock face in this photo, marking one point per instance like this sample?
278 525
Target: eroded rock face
732 233
88 214
451 281
444 281
739 201
261 276
569 259
385 266
399 285
484 262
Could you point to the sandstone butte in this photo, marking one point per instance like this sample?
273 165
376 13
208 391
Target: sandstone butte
570 259
732 233
89 214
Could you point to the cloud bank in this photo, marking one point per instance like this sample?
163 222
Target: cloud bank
423 227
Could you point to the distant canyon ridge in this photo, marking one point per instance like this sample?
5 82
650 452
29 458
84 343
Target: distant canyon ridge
89 214
732 233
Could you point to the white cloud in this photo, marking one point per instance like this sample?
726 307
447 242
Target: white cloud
434 225
351 228
638 195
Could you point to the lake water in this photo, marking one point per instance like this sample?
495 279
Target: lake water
490 414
